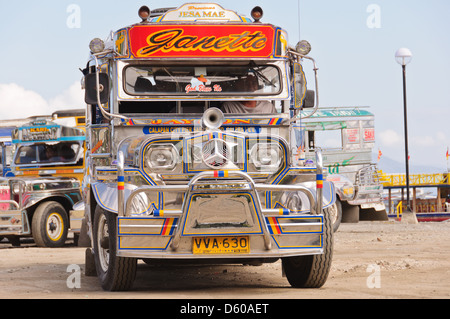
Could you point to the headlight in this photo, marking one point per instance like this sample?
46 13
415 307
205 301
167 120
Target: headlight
16 189
343 185
266 156
39 187
161 157
97 45
294 202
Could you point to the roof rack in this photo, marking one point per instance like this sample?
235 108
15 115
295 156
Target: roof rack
159 12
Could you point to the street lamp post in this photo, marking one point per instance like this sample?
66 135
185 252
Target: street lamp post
404 56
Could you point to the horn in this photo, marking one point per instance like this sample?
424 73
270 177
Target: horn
213 118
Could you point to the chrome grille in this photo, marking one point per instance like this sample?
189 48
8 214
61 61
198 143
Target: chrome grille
216 153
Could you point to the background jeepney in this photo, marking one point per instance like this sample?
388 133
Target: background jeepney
6 150
6 145
48 168
170 177
347 138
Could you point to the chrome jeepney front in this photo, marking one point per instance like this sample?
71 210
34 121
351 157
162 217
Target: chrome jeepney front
13 218
219 204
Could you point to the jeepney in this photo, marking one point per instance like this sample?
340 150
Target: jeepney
48 167
6 151
347 139
171 176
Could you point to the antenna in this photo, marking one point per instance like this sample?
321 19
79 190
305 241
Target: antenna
299 29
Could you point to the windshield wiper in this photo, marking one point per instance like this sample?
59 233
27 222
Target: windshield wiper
260 75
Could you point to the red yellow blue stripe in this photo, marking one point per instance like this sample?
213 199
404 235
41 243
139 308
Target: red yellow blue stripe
121 183
319 181
275 121
169 227
214 135
221 174
274 227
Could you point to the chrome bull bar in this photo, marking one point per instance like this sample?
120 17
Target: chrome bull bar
13 219
10 183
316 205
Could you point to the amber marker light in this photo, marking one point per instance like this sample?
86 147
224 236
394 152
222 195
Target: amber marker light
257 13
144 13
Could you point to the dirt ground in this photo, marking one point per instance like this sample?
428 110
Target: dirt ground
372 260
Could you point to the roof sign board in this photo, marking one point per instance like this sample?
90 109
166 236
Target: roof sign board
335 113
172 41
194 12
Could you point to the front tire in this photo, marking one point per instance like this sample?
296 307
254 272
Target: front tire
350 213
115 273
336 214
50 225
312 271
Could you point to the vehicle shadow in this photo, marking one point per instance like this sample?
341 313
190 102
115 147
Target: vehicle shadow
207 277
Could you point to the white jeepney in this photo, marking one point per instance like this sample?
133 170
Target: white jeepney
346 137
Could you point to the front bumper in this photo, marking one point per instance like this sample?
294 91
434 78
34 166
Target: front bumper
13 222
217 212
13 218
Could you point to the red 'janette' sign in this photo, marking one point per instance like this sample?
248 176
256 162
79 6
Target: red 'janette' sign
202 41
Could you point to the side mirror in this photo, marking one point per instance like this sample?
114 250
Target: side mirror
299 86
310 99
91 88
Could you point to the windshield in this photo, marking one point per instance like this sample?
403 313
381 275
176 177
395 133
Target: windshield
249 80
66 152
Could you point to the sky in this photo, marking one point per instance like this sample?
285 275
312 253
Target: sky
44 43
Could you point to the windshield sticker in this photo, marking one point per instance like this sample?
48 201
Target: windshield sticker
200 84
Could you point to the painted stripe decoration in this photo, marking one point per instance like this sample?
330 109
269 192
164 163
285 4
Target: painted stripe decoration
319 181
121 183
284 211
214 135
274 227
158 213
169 226
275 121
221 174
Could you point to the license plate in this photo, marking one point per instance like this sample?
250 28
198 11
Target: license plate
221 245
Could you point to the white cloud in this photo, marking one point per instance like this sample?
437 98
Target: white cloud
72 98
423 141
17 102
390 138
434 140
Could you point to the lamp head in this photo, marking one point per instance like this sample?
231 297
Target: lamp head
144 13
403 56
257 14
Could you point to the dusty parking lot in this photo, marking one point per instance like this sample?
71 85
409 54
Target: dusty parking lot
371 260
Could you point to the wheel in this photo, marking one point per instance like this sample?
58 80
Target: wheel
115 273
312 271
336 214
350 213
50 225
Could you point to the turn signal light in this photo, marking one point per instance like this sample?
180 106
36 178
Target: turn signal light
257 13
144 13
